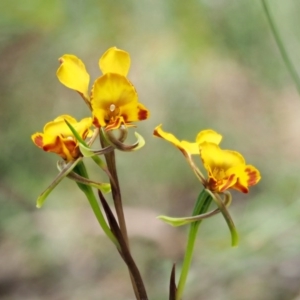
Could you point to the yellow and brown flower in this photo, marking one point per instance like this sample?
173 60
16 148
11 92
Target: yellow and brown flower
227 169
113 98
58 138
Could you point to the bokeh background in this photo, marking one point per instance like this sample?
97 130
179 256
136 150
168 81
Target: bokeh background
196 65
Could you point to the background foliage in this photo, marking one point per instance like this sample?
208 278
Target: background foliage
196 65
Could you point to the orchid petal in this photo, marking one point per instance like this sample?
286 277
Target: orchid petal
72 73
115 60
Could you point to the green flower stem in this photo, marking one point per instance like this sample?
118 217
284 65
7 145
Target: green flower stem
203 202
281 47
226 215
88 191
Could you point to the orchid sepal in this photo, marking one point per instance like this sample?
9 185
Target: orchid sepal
68 167
89 152
139 143
104 187
118 144
176 222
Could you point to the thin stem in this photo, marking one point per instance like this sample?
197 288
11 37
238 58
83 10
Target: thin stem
226 215
87 190
116 194
281 47
135 276
115 188
203 202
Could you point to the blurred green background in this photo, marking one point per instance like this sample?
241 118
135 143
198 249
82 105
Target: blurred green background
196 65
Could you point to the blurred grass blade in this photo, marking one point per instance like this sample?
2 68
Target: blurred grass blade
281 47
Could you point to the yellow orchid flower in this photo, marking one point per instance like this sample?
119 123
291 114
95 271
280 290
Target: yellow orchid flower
189 148
113 100
58 138
227 169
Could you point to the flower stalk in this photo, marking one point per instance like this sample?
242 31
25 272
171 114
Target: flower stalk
227 217
135 276
202 205
115 187
121 231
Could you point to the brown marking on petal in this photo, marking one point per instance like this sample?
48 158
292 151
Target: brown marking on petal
61 60
73 149
70 144
115 124
228 183
155 133
253 176
38 140
143 114
85 133
212 184
125 118
96 122
186 154
56 147
70 149
240 188
110 127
